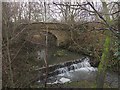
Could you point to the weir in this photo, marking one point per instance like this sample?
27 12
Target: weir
69 71
73 64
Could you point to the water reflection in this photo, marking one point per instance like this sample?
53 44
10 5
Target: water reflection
41 54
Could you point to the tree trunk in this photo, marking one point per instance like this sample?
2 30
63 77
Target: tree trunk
105 55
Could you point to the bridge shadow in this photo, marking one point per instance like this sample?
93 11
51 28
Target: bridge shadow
40 39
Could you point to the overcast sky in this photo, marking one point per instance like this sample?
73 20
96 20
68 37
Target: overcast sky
58 16
50 1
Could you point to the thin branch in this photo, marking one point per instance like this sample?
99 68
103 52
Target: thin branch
18 52
101 17
115 12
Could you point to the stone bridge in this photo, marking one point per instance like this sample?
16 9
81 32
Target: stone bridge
58 30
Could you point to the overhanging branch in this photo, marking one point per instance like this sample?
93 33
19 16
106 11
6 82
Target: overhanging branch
102 18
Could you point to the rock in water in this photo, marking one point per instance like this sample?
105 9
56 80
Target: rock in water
64 80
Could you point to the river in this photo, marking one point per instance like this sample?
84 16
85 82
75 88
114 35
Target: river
74 72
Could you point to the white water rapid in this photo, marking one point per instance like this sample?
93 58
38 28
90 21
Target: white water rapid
75 72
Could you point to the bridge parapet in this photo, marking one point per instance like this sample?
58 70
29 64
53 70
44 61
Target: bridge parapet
49 26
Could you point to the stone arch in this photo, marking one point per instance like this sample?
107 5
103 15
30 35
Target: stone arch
52 39
39 38
60 33
61 36
54 35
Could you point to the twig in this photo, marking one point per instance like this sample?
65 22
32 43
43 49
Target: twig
100 16
18 52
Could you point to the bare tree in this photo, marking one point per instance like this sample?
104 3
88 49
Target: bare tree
6 20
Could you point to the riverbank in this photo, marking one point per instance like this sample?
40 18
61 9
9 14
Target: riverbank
80 84
27 60
113 64
77 84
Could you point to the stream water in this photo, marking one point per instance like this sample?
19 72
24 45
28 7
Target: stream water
76 71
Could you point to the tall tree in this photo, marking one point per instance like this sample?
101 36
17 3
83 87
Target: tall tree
46 47
6 28
105 55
